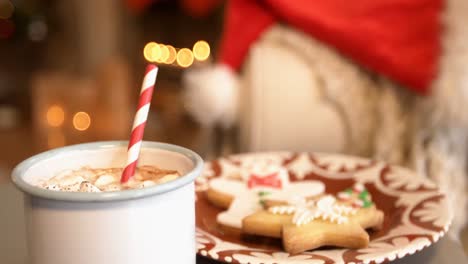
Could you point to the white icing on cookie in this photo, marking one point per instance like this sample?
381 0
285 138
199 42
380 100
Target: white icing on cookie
230 187
248 200
325 208
298 190
241 207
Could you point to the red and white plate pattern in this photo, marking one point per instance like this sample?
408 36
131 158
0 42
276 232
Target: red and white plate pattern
416 212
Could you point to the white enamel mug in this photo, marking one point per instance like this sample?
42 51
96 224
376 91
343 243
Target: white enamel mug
155 225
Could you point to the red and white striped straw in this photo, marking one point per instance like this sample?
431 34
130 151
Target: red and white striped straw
134 145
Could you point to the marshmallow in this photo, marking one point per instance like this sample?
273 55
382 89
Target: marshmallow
111 187
105 179
148 183
69 180
167 178
72 187
88 187
53 187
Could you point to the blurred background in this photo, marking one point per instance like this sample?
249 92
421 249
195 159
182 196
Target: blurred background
70 72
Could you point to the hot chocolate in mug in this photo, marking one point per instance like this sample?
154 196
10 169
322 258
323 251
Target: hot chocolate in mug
145 226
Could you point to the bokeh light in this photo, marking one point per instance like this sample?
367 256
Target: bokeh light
201 50
172 54
184 57
152 52
81 121
164 53
6 9
55 116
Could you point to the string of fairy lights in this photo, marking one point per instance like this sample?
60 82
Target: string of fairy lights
180 57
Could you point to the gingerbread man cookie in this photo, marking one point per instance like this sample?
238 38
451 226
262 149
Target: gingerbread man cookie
325 221
263 184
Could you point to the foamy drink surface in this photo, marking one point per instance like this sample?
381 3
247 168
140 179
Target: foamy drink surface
107 179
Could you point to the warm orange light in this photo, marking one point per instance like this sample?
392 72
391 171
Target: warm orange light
55 139
172 54
152 52
201 50
164 53
81 121
6 9
55 116
185 57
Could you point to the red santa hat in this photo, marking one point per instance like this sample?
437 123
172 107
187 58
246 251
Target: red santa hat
399 39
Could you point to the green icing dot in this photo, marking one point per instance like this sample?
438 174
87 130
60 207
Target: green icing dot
262 194
349 191
364 195
367 204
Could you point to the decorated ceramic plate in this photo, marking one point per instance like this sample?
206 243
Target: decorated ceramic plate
416 214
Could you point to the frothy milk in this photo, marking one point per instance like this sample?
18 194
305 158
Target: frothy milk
107 179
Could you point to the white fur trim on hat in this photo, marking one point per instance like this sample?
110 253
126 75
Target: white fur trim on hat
447 104
211 95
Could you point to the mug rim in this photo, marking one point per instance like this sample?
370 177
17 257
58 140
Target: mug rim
20 170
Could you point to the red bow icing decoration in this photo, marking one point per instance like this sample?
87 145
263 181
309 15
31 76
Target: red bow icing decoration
272 181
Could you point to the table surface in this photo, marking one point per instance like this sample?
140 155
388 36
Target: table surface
13 245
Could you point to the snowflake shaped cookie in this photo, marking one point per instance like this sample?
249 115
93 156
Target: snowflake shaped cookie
305 224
